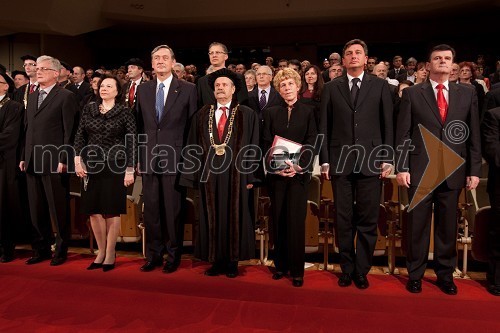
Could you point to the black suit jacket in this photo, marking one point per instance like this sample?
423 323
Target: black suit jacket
492 99
392 73
253 101
80 93
11 115
206 94
419 107
170 131
365 127
491 147
49 130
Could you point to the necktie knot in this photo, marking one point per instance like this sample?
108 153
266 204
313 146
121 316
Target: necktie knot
355 81
440 86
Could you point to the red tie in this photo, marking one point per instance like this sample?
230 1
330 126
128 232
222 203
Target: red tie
32 88
131 95
441 101
222 122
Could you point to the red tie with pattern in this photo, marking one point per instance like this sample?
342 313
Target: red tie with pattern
32 88
131 95
441 102
222 122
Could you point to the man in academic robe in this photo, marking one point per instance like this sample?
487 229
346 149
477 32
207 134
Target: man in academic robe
222 134
11 115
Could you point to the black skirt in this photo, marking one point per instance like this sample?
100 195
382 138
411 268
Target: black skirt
105 193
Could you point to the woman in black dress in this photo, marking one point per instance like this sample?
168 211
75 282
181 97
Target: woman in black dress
105 151
288 187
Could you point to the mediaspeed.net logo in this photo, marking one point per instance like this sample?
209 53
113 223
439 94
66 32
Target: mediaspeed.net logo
443 161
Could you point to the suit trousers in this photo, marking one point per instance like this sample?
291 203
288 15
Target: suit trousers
289 208
357 200
164 211
445 202
48 197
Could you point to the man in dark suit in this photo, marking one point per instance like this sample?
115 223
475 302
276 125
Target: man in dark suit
11 115
217 52
397 68
164 107
356 121
491 152
79 87
426 105
49 127
135 68
265 96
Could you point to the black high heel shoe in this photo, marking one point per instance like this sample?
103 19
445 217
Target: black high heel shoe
94 265
108 267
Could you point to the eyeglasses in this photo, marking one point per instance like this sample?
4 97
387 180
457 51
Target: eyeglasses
29 65
262 74
44 69
216 52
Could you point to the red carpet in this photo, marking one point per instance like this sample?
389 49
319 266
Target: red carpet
68 298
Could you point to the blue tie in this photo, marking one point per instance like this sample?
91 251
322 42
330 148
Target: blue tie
160 100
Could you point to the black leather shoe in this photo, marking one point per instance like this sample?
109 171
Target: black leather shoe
494 289
108 267
447 287
360 281
297 282
94 265
345 280
5 258
56 261
278 275
414 286
232 270
213 271
169 268
38 259
150 266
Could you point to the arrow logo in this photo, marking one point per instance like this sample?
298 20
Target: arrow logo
443 162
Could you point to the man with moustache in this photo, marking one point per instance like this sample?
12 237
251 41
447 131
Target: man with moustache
221 136
164 107
135 68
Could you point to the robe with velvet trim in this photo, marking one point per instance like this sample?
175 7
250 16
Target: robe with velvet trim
226 230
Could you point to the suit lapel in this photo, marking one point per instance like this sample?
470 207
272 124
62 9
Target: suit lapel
344 90
429 97
453 99
47 99
365 88
172 94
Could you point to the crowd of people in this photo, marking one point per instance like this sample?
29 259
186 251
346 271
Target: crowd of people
222 133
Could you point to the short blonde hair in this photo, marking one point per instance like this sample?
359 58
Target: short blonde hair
285 74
